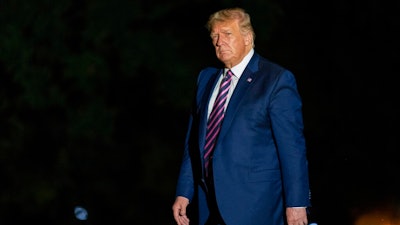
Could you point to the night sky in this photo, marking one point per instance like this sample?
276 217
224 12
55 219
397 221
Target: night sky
95 96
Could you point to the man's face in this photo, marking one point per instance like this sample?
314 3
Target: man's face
231 46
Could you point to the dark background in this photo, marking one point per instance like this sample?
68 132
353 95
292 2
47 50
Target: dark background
95 95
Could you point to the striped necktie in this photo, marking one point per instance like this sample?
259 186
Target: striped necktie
215 119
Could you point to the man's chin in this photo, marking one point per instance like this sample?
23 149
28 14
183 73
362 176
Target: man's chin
224 58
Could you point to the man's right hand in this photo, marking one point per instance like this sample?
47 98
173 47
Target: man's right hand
179 210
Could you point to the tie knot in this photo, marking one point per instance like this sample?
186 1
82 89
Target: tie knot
229 73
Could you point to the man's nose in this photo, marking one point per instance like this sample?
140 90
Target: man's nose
219 41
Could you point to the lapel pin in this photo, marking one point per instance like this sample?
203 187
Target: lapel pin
249 79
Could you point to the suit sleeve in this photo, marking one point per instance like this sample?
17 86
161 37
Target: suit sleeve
185 185
287 125
186 180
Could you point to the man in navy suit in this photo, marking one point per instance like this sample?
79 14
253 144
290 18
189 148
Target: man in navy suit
258 170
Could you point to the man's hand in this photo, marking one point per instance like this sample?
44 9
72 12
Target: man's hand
296 216
179 210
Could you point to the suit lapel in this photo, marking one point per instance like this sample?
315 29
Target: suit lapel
246 80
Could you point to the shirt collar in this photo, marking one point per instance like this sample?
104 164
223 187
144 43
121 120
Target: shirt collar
239 68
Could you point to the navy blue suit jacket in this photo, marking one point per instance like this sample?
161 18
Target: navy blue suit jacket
259 161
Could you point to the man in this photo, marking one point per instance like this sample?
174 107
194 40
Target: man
251 168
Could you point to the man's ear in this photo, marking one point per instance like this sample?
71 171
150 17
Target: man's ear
248 38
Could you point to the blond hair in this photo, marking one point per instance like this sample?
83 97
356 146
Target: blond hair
228 14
